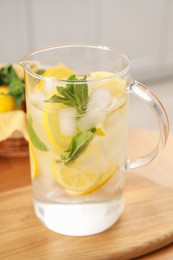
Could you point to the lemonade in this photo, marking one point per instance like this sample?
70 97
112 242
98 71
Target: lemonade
77 150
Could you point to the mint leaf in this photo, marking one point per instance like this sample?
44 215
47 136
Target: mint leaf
67 93
16 85
19 99
59 99
35 140
78 143
40 72
73 95
7 73
71 86
81 94
17 90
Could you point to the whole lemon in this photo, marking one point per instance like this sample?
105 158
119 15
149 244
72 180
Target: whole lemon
6 102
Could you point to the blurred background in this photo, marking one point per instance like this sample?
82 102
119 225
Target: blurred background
142 29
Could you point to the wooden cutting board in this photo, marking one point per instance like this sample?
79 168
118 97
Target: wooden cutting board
146 225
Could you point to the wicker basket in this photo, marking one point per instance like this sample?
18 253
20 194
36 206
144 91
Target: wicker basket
14 147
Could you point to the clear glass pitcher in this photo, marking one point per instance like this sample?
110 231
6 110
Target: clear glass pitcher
77 110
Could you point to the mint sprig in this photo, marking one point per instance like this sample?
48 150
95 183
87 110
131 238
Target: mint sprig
73 95
78 144
16 85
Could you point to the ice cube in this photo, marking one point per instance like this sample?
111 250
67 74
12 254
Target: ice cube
50 86
91 119
67 121
36 97
100 99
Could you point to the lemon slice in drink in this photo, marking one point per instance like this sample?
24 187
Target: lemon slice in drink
117 85
58 72
104 178
51 111
100 131
78 182
33 163
75 179
60 125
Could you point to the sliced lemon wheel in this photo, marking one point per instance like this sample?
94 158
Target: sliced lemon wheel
117 85
51 121
100 131
33 163
51 111
104 178
77 182
75 179
59 72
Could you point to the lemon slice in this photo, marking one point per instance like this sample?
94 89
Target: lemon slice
59 72
75 179
78 182
100 131
6 102
117 85
104 178
101 75
33 163
51 111
51 121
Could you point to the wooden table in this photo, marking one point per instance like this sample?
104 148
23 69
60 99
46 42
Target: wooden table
15 176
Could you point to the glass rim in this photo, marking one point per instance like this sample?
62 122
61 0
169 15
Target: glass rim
24 63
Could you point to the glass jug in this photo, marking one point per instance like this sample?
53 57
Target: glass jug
77 110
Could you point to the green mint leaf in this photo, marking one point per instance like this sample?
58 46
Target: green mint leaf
55 99
17 90
35 140
73 95
65 156
66 93
71 86
40 72
72 78
18 100
69 98
81 94
16 85
78 144
59 99
7 74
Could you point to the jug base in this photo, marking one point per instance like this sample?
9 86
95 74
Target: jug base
79 219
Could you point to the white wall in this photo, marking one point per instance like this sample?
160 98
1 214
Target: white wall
142 29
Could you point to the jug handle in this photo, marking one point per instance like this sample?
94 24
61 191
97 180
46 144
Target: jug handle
142 92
